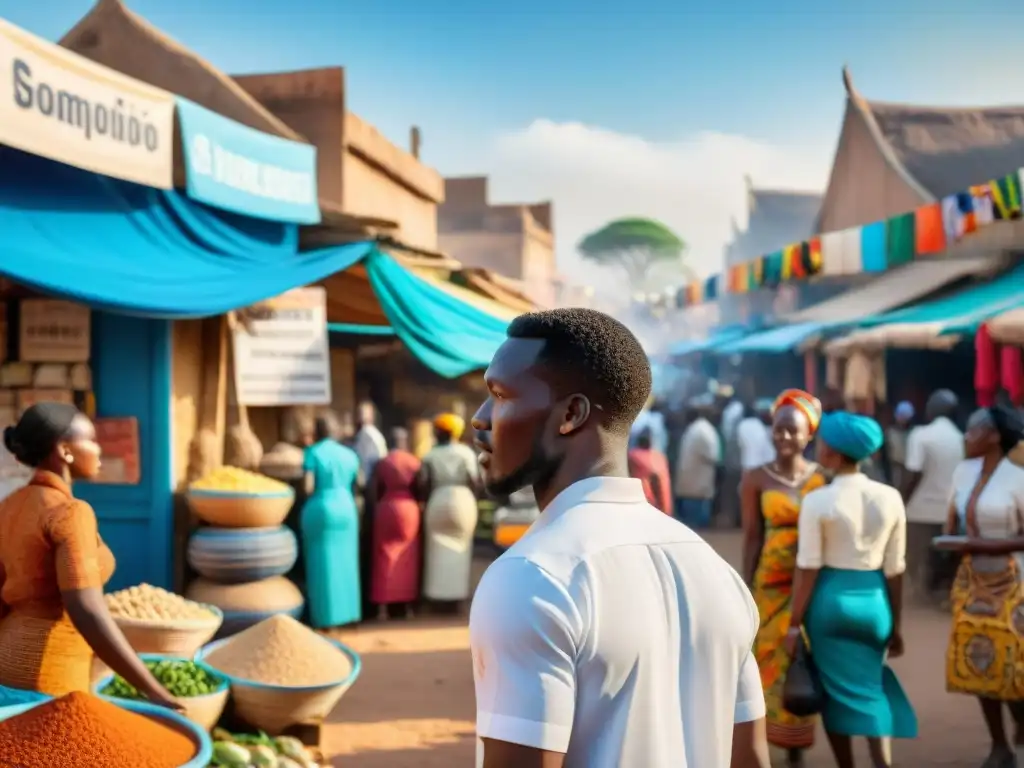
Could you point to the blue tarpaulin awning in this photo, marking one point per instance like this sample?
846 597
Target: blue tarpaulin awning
137 250
785 338
937 323
691 346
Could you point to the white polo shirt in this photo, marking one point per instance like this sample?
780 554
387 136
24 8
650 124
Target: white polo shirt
616 635
935 450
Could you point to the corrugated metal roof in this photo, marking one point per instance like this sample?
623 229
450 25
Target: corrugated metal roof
895 289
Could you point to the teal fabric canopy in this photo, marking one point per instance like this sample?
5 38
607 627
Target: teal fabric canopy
785 338
449 336
961 312
360 329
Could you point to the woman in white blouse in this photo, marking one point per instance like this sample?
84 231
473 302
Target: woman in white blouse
851 555
986 651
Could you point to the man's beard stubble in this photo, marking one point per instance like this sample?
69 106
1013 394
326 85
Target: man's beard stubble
537 471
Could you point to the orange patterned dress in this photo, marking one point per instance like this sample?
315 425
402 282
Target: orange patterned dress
773 587
49 542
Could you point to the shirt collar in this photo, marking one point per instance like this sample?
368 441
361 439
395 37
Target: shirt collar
852 477
48 479
596 490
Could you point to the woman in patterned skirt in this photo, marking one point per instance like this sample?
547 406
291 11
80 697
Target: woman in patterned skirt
986 649
770 499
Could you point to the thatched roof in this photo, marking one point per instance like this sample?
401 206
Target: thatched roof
943 150
114 36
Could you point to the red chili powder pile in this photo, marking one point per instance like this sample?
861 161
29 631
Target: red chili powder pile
80 730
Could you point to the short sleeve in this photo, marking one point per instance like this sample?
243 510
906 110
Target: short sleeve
895 560
524 629
809 538
915 451
308 460
749 693
75 536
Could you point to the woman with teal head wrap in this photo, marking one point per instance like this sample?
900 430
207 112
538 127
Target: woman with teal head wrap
851 435
851 555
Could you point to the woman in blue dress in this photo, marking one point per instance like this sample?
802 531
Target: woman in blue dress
330 529
851 556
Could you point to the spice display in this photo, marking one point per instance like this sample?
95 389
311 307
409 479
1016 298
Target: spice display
80 730
184 679
258 750
281 651
151 603
238 480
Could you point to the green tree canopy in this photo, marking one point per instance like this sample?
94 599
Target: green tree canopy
633 244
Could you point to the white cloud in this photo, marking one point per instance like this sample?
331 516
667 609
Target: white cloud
693 185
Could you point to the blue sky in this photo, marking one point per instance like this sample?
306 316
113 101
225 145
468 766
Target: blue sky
651 108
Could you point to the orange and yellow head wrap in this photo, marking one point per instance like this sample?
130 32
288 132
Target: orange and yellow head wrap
804 402
452 424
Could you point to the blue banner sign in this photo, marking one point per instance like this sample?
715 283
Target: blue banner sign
237 168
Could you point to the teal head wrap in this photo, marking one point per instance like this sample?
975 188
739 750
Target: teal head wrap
854 436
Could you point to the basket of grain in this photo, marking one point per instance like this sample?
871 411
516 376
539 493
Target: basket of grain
283 673
160 622
230 497
201 691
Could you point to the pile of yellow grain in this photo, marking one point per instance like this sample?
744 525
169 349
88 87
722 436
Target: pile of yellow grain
281 651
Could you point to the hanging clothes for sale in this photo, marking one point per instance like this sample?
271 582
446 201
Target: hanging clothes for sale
1011 372
833 372
986 368
878 378
858 384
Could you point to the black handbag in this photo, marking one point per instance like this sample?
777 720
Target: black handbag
802 694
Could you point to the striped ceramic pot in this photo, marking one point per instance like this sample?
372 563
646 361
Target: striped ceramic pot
247 604
240 555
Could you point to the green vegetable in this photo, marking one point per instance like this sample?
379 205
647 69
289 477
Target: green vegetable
182 679
230 755
262 756
286 762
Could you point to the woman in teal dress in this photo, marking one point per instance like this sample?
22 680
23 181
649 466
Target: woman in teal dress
851 556
330 529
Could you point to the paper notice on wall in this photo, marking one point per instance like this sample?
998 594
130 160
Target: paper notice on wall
281 353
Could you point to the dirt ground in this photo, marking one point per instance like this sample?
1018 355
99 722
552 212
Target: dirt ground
413 705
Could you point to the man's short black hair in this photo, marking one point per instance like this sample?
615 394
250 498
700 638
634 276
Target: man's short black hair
597 354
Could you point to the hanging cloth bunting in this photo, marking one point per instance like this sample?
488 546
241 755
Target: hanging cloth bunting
965 202
753 268
813 260
953 222
711 288
929 230
899 241
791 262
873 246
984 209
695 293
1006 196
772 270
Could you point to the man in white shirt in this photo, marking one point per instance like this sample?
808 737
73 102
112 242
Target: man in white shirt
700 453
754 434
609 635
933 452
370 445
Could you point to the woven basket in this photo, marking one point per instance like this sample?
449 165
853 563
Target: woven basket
179 639
204 711
231 509
272 708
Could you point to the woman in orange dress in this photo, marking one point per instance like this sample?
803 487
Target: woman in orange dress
395 577
770 498
53 565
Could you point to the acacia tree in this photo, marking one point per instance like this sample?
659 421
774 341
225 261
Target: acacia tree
633 244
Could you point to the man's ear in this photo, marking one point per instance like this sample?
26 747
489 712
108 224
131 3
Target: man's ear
575 414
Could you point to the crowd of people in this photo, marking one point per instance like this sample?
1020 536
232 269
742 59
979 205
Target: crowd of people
412 540
611 635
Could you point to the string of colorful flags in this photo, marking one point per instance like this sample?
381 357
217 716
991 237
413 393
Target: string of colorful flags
875 247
